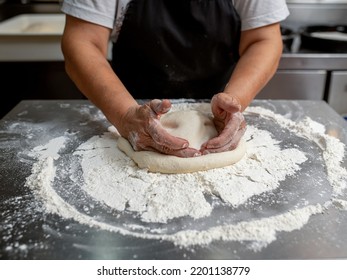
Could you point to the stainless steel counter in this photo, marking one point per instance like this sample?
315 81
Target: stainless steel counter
311 74
26 232
313 61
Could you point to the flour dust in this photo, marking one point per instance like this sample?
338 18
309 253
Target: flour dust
269 191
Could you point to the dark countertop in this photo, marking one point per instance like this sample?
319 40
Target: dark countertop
26 232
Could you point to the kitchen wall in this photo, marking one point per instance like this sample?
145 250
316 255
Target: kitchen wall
25 75
313 72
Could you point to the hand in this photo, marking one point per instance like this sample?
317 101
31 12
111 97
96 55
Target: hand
229 122
141 126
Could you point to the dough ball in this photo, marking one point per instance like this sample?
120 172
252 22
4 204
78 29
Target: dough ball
195 126
192 125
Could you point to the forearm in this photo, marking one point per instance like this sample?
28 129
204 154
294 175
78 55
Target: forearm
85 50
257 65
95 78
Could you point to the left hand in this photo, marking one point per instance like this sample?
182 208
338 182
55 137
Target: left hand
229 122
141 126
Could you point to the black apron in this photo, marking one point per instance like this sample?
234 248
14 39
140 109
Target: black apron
177 48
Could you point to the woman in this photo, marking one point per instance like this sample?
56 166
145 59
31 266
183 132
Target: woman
220 49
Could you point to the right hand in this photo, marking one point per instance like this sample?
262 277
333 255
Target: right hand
141 126
229 122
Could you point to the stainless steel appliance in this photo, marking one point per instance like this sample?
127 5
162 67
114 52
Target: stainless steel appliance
308 71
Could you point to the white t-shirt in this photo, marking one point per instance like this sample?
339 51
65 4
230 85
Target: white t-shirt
110 13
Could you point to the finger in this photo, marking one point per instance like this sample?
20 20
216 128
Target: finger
227 134
186 153
163 138
231 145
160 107
183 153
224 102
169 144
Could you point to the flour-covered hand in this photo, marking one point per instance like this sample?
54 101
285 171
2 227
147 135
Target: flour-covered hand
141 126
229 122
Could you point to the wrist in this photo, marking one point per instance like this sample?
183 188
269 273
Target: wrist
116 112
236 100
124 119
239 100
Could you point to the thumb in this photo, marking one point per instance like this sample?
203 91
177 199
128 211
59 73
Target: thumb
225 102
160 107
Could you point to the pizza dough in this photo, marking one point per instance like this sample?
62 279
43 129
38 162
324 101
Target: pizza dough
195 126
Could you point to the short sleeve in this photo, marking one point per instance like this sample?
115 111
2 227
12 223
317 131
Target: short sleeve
256 13
98 12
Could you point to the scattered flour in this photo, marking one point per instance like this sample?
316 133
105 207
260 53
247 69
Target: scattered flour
333 150
51 149
113 178
340 204
155 200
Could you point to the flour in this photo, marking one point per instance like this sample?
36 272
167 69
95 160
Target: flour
333 149
148 205
51 149
340 204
